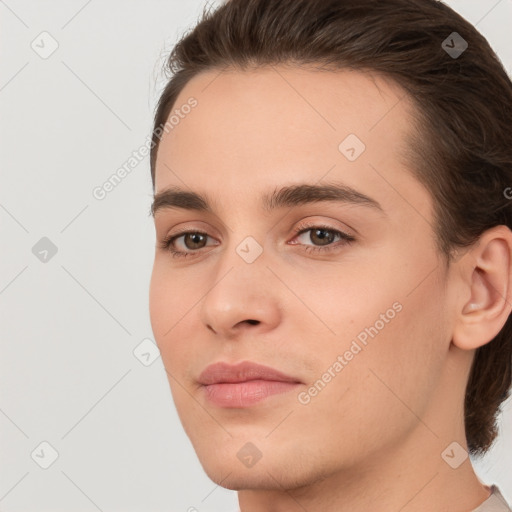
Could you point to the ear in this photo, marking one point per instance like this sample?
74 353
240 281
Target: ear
486 271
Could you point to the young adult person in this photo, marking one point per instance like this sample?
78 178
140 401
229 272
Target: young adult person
331 290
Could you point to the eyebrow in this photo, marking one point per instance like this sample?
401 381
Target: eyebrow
288 196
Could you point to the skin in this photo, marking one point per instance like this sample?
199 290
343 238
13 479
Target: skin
373 437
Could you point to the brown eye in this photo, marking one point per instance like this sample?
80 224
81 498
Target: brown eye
194 240
319 239
186 243
322 236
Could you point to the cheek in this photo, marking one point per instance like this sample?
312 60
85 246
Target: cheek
337 302
170 303
388 382
388 320
159 304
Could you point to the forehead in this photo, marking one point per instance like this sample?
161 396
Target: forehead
281 124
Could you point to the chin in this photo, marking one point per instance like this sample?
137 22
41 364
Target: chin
238 479
269 473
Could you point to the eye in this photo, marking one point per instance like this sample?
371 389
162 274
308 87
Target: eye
192 241
322 237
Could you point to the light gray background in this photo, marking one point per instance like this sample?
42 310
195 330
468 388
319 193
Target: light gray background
70 326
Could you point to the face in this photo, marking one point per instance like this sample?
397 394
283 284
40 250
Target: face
314 257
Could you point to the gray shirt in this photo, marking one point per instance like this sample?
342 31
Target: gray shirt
494 503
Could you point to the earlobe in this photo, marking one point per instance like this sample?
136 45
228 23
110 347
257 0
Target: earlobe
487 277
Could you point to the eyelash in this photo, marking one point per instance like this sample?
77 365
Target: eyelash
345 237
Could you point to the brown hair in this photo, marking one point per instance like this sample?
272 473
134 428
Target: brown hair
461 142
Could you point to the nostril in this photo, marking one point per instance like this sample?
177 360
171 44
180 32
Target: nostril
253 322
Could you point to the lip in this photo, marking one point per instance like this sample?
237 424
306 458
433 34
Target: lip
243 384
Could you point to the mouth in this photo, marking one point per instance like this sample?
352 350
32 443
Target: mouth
243 384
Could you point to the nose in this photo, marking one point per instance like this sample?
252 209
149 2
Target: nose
242 297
